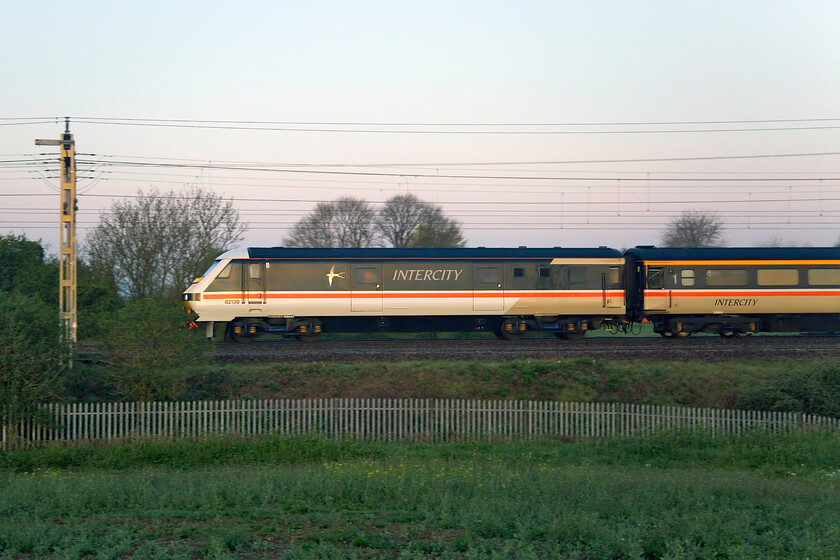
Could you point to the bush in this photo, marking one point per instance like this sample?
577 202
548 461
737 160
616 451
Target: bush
151 349
814 391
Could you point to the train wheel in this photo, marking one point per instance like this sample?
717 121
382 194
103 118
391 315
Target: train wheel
502 334
241 337
727 333
308 338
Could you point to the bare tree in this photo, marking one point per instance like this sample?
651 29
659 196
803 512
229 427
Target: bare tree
157 243
346 222
437 236
405 221
694 228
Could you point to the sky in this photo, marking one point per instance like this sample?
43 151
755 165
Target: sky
544 123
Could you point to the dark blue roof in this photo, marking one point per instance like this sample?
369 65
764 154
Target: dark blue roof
480 253
734 253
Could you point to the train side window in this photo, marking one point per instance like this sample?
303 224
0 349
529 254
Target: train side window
726 277
577 275
545 272
655 279
225 274
488 274
367 276
778 277
255 271
615 276
687 277
518 272
824 276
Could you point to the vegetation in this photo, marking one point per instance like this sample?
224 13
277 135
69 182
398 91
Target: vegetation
156 244
32 360
694 228
676 496
403 221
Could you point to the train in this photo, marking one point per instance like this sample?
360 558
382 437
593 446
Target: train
302 293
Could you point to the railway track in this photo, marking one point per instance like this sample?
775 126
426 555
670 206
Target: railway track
613 348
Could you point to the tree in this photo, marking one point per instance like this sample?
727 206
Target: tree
694 228
346 222
404 214
157 243
428 236
32 360
24 267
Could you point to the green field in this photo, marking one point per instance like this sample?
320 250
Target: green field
675 496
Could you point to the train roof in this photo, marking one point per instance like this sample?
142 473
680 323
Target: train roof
648 253
477 253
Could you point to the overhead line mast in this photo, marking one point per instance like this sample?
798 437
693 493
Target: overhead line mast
67 224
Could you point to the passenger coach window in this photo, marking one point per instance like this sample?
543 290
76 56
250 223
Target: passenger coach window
778 277
655 279
824 276
726 277
545 272
518 272
615 276
687 277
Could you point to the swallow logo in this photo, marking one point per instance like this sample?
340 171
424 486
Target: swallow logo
333 274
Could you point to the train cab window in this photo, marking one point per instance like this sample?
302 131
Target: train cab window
655 278
687 277
230 278
545 272
577 275
726 277
778 277
824 276
518 272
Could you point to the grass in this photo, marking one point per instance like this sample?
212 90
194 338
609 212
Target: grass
674 496
698 384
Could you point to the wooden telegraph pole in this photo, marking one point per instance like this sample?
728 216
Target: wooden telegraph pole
67 225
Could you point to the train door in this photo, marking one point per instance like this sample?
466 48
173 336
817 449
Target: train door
254 283
366 292
488 287
611 288
657 297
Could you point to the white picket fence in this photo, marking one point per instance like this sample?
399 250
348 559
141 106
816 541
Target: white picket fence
388 420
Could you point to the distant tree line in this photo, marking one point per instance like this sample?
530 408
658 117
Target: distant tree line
403 221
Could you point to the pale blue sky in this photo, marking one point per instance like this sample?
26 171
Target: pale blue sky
437 63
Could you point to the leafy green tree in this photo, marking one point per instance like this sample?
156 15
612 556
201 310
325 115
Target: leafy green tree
152 349
25 268
32 358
